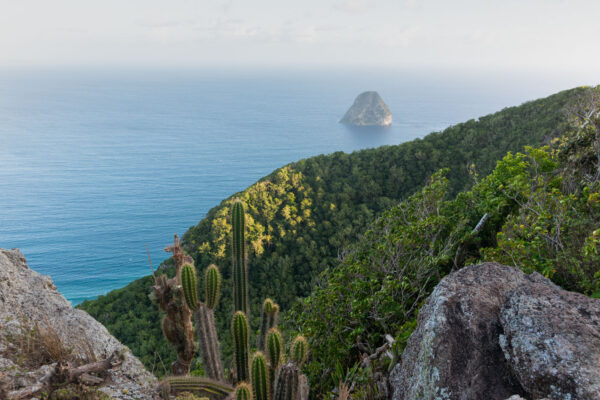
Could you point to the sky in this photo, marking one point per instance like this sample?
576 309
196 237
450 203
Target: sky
549 35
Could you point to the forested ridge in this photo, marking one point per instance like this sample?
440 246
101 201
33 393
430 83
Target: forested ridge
303 216
538 210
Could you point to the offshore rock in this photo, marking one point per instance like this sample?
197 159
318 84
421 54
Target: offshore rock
30 303
368 110
490 331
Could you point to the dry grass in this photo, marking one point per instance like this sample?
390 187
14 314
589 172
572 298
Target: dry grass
36 345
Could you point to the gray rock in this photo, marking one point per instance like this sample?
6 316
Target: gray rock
552 340
454 352
490 331
27 298
368 110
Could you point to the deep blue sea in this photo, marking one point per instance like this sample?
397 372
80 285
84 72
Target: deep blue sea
95 165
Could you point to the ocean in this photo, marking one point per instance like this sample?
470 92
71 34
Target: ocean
95 165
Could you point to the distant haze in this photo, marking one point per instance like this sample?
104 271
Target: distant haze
557 36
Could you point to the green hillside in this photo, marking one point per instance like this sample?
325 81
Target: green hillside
542 213
303 216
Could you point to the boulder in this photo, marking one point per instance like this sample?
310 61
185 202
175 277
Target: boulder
30 303
551 340
368 109
490 331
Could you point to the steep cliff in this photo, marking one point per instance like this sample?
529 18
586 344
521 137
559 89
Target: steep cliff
43 339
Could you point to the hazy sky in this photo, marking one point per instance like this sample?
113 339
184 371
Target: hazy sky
507 34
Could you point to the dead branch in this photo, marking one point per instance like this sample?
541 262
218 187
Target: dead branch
64 374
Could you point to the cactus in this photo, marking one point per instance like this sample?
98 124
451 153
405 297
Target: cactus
239 266
189 286
243 392
212 286
288 383
177 321
241 345
268 320
259 374
205 320
175 384
274 354
299 351
209 342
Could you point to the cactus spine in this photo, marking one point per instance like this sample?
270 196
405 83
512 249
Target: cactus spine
260 377
212 286
239 265
243 392
268 320
299 351
241 345
189 286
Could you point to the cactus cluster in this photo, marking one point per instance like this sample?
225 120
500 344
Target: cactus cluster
262 378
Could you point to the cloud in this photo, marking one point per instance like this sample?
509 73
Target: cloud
352 6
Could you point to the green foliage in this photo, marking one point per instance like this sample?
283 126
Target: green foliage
556 229
542 210
239 260
300 217
241 345
260 377
212 286
189 286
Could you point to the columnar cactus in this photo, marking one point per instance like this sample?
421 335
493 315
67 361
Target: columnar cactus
243 392
189 286
178 297
241 345
205 319
299 351
196 384
268 320
239 260
259 373
212 286
209 342
274 353
287 383
177 321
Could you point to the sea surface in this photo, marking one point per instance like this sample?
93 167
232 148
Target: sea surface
95 165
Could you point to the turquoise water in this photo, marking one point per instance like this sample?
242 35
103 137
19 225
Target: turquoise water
95 165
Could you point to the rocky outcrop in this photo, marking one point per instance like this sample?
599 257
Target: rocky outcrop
368 110
490 331
38 327
551 340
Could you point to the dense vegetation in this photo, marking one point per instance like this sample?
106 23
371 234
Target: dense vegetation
302 217
542 214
